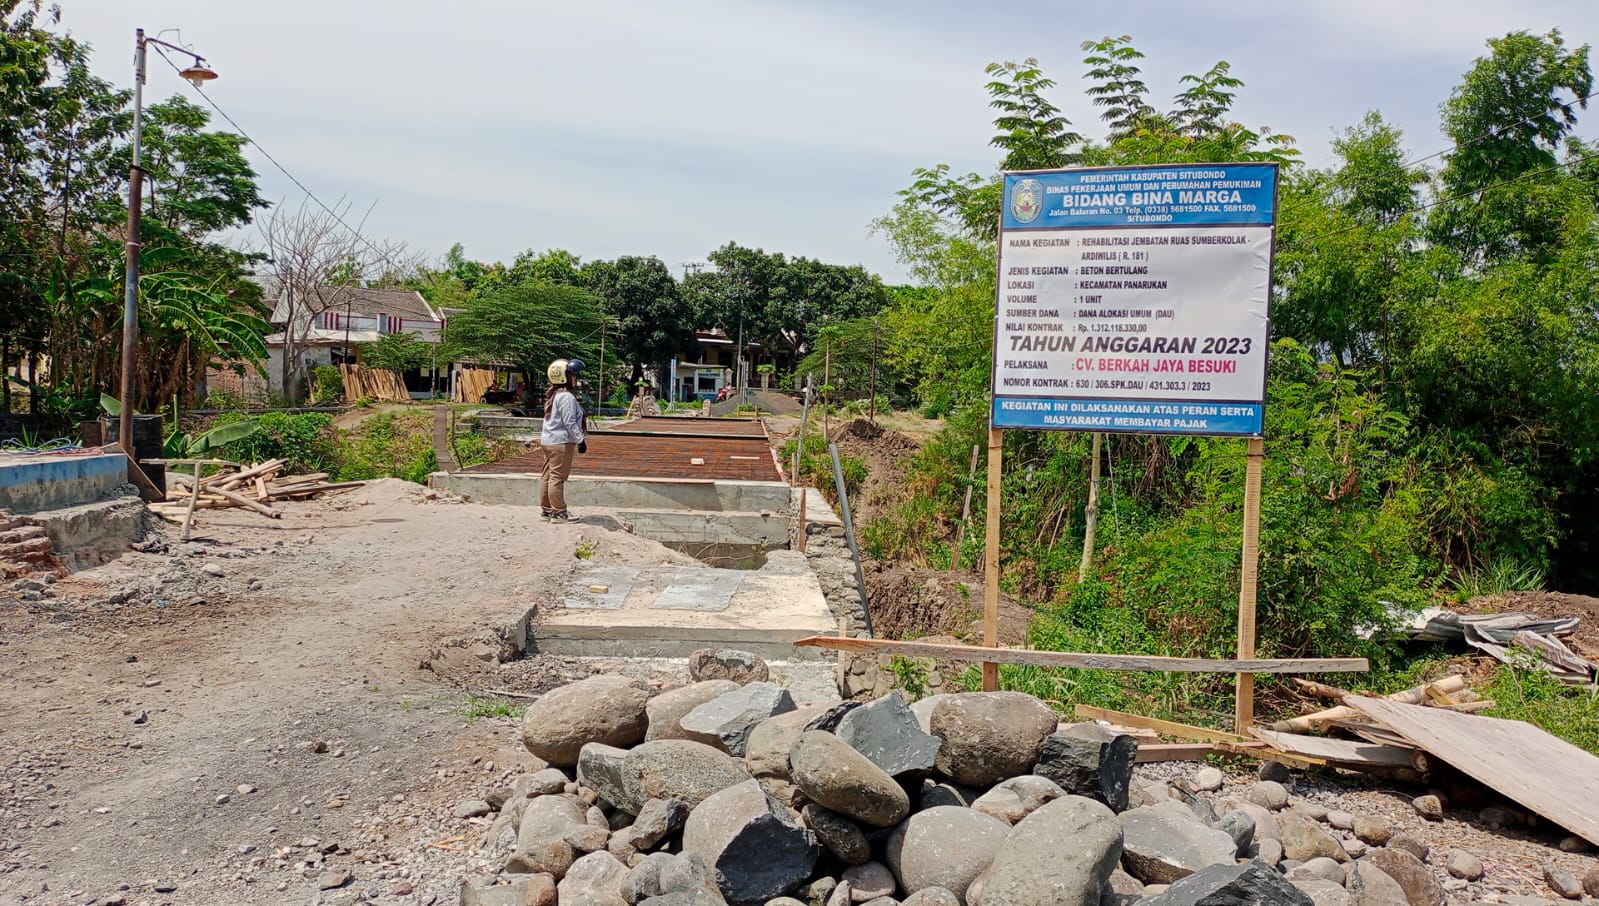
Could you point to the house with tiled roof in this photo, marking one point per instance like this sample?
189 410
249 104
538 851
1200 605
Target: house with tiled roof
329 324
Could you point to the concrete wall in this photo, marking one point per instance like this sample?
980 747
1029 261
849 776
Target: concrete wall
89 534
683 526
49 482
508 426
622 493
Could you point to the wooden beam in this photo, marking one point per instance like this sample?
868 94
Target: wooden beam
1174 751
1164 727
996 466
1244 684
1133 662
147 488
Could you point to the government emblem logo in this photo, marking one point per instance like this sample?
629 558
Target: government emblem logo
1027 200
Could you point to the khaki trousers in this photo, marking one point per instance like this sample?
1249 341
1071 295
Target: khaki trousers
557 469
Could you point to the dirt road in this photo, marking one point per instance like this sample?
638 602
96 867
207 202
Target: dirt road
245 718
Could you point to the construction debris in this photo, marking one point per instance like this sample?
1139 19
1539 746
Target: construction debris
253 487
1510 637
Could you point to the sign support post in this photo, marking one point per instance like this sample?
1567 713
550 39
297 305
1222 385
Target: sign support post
1244 706
996 462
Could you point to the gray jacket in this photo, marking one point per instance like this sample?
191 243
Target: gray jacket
564 424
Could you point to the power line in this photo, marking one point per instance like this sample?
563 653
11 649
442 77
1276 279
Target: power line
386 258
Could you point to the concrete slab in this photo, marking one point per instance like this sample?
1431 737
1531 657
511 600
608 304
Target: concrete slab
30 483
88 534
622 493
668 612
618 580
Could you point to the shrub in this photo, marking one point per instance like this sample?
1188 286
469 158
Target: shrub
327 384
305 440
388 445
816 467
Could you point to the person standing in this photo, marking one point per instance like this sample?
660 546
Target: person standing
561 437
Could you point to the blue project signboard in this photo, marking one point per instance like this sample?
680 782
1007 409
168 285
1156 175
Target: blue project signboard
1135 299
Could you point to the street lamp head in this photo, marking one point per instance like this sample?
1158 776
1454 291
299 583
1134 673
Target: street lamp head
199 74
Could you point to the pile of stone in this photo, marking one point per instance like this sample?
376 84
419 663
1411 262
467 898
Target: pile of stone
724 791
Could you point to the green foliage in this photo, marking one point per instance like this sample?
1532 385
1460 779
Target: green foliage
477 707
652 319
397 352
193 446
816 466
305 440
387 445
327 384
1500 577
910 675
1529 694
471 448
528 325
585 549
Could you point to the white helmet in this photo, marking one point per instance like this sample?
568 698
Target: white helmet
561 369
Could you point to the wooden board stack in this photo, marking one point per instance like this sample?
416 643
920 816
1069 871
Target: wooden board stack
254 487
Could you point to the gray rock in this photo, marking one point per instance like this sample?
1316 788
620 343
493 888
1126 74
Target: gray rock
785 901
1269 851
830 716
656 820
604 770
665 710
1060 855
726 721
1125 885
936 794
1240 827
1574 844
1319 868
990 736
869 881
542 783
1267 794
1562 882
1311 810
841 895
817 892
944 846
835 776
1373 831
1324 893
1012 800
766 752
882 901
1590 882
1408 843
604 709
1429 807
586 838
659 874
1208 780
974 893
494 891
1252 883
1341 819
699 896
1091 761
473 808
887 733
931 896
1355 848
838 834
596 874
1277 772
1162 843
540 842
1421 888
752 843
1464 865
1303 839
727 663
1266 826
1369 885
682 769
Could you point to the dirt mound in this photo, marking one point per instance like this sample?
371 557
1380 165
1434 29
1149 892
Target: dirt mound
886 453
915 602
1585 641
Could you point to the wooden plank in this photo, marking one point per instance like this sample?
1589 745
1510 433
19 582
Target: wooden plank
1336 751
194 498
1164 727
1174 751
1244 684
1534 769
246 502
996 465
147 488
1133 662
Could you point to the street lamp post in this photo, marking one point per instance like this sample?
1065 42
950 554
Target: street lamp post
198 74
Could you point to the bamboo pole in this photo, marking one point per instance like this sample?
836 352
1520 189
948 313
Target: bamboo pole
1244 707
996 461
1092 514
966 512
194 499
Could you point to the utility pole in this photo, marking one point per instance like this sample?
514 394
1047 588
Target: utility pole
198 74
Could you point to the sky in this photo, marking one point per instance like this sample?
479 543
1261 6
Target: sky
618 127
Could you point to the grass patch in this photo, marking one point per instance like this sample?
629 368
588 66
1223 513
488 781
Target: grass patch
1569 712
477 707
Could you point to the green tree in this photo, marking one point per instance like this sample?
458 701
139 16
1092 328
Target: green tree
397 352
653 319
528 325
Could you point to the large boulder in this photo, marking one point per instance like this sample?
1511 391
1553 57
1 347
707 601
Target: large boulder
682 769
766 752
1253 882
726 721
1012 800
540 842
1369 885
886 732
1303 839
1089 760
727 663
1163 843
604 709
665 710
662 874
1412 875
656 820
835 776
1061 855
751 842
990 736
596 878
945 846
